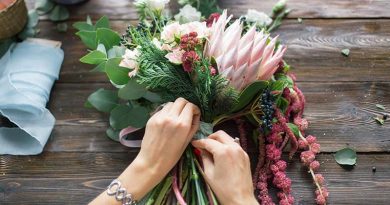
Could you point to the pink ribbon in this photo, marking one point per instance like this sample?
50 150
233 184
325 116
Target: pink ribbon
129 142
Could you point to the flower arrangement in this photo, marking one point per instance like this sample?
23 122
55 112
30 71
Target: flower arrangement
231 69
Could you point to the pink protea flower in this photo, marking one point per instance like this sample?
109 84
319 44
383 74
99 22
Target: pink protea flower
242 59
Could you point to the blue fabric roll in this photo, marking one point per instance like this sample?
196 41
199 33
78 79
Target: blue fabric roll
27 73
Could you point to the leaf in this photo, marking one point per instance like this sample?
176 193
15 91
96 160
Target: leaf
113 134
345 52
59 13
379 120
123 116
103 100
380 106
116 51
88 38
132 91
100 68
249 93
103 22
346 156
89 21
62 27
107 37
294 129
282 103
94 57
205 129
152 97
83 26
44 6
33 19
115 73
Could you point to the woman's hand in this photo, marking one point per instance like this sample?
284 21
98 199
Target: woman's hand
227 169
167 134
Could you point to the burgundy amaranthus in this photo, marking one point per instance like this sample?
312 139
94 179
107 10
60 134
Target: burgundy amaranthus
189 58
271 167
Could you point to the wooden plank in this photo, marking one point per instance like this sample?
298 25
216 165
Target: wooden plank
339 114
123 9
76 178
314 50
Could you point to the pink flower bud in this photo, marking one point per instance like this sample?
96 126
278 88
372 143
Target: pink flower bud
302 144
282 165
311 139
315 165
307 157
315 147
320 200
320 179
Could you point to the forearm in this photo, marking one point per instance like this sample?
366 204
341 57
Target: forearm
138 179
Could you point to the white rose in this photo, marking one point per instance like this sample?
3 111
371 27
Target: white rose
130 61
260 18
157 4
188 14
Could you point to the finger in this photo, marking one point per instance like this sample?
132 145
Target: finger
209 145
222 137
178 106
191 116
208 163
166 108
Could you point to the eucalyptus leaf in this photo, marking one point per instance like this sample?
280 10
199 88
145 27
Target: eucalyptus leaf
100 68
94 57
205 129
345 52
103 22
117 74
132 90
282 103
44 6
62 27
379 120
152 97
249 93
103 100
83 26
123 116
116 51
107 37
113 134
59 13
346 156
88 38
33 19
101 48
89 21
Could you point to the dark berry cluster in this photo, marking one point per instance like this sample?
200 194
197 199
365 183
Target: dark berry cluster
126 38
268 110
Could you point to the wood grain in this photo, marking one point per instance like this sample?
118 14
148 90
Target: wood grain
340 114
76 178
124 9
314 50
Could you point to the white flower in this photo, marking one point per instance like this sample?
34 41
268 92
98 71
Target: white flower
260 18
169 32
175 56
188 14
152 4
130 61
157 43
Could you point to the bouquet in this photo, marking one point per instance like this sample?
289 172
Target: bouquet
232 69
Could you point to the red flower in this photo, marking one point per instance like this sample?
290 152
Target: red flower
189 41
213 17
189 58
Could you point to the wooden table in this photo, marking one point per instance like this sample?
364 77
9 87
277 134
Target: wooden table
79 160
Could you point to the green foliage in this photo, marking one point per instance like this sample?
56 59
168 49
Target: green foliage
117 74
88 38
44 6
113 134
132 91
94 57
123 116
247 95
107 37
103 100
346 156
59 13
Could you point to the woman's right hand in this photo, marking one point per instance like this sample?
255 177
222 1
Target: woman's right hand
227 169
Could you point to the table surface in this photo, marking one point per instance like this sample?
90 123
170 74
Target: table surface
79 160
